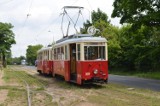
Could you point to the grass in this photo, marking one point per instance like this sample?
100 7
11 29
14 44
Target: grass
116 95
153 75
11 76
17 94
39 98
142 74
110 95
69 94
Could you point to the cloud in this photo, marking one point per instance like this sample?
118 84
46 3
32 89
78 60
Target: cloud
37 21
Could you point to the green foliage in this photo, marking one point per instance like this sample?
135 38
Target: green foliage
31 53
96 16
17 60
127 48
6 36
138 73
6 40
140 49
137 12
9 58
85 27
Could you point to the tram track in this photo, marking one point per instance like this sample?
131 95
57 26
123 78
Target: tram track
31 83
29 77
66 94
27 86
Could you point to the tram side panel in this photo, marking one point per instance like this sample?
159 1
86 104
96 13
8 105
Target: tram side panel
67 70
51 66
47 67
59 68
62 68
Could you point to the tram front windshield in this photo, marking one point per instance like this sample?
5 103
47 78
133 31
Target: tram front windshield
94 52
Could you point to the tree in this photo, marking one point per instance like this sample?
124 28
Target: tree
6 40
17 60
137 12
31 53
141 46
140 50
97 17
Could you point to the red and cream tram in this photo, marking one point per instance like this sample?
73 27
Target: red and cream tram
44 61
79 58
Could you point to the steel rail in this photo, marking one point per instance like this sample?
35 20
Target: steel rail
27 87
29 71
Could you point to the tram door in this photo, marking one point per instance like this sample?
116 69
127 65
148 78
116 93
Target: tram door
73 73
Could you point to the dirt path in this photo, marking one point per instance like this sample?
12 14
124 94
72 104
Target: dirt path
3 93
1 76
61 92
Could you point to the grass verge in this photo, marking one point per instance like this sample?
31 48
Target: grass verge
16 89
151 75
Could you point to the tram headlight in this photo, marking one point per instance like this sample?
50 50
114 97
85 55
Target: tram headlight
95 71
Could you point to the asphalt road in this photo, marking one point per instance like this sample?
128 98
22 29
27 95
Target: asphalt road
135 82
129 81
31 67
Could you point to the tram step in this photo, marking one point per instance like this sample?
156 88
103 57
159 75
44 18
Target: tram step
73 81
74 77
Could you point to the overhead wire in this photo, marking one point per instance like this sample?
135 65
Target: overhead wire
27 17
56 19
43 30
28 14
24 23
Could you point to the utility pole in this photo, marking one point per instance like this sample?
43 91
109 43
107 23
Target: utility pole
53 38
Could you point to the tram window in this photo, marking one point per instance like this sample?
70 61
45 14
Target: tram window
55 54
58 53
48 55
102 52
41 56
94 52
44 55
78 50
52 54
62 53
58 50
65 52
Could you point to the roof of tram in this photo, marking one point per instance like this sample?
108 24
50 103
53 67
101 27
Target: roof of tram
77 38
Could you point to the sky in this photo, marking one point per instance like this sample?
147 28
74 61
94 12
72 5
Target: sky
39 21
